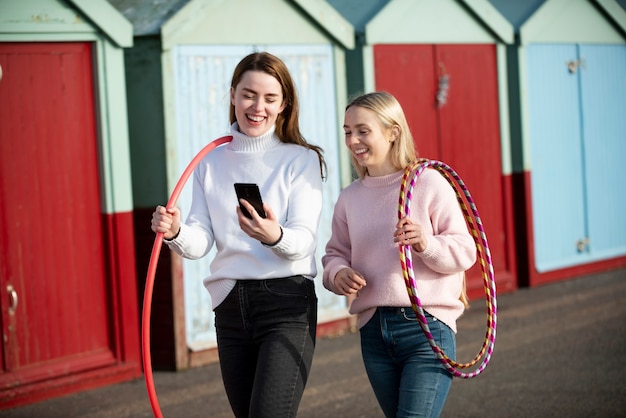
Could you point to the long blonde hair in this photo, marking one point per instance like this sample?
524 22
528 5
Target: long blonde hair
390 114
463 297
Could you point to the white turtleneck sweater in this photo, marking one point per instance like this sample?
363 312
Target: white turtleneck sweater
364 221
289 179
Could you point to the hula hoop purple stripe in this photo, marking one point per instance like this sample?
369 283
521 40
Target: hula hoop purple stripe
478 233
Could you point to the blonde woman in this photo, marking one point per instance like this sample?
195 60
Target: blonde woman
362 260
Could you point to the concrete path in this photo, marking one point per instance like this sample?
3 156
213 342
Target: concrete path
560 352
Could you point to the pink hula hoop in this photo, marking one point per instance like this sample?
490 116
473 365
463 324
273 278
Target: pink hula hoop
154 259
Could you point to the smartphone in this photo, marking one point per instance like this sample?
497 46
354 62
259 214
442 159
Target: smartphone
250 192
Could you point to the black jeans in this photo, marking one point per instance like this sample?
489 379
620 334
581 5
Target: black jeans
266 337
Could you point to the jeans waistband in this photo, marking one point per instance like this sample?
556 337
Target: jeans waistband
399 310
256 282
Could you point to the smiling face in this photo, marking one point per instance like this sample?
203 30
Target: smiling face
369 141
258 100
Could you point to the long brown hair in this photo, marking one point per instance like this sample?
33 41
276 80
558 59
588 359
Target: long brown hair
287 124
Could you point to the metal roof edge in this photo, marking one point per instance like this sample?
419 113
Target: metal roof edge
180 22
550 9
108 19
322 12
497 23
330 19
482 11
615 12
545 10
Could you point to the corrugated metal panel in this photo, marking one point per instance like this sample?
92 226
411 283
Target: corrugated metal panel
312 68
558 202
202 83
603 85
148 16
202 98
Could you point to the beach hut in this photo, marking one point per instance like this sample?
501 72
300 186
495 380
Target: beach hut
569 137
69 311
445 61
178 96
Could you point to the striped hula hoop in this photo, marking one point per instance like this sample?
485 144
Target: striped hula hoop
478 233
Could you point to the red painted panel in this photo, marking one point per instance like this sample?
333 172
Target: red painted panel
408 73
463 131
68 375
125 312
15 395
470 138
73 288
53 243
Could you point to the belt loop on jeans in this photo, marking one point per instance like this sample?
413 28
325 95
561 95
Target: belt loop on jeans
396 310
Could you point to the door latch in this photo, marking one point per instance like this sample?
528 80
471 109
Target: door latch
582 244
12 299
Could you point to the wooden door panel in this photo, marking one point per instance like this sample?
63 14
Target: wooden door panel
52 246
470 136
558 202
408 72
603 91
463 130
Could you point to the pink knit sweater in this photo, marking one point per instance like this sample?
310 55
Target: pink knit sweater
364 220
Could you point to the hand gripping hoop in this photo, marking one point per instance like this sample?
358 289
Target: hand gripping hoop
478 233
154 259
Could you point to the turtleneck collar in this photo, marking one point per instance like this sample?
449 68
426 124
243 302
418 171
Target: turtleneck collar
382 181
244 143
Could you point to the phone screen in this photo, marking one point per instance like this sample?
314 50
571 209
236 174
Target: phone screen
250 192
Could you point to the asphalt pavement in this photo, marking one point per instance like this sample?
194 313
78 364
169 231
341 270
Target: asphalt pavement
560 351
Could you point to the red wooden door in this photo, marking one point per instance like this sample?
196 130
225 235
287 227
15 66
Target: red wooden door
55 313
463 130
407 72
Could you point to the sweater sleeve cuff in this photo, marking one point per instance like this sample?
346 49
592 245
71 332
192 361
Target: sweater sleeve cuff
331 278
282 233
284 243
177 242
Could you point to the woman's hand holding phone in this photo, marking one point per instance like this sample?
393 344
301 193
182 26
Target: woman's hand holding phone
264 227
251 194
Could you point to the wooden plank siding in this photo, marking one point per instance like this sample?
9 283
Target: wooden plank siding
576 132
567 77
62 317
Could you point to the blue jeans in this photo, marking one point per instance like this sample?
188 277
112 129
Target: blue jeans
266 337
407 377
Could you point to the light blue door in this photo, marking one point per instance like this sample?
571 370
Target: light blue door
603 87
557 164
202 82
577 129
